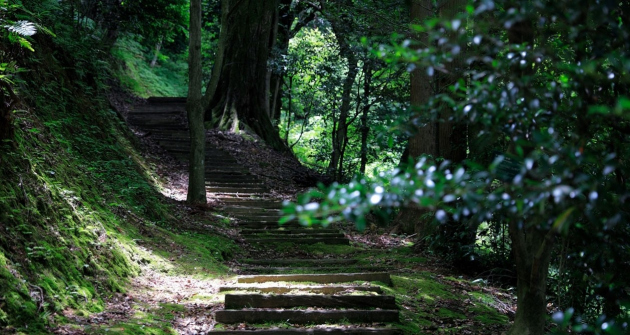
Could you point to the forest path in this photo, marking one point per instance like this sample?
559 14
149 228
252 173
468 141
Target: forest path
307 294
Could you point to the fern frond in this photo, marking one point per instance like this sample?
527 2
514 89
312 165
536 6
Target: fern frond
22 28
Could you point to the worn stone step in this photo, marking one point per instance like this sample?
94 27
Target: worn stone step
306 316
165 100
235 178
271 234
312 331
238 301
250 210
288 231
321 278
316 289
312 269
295 261
254 218
213 183
300 240
216 189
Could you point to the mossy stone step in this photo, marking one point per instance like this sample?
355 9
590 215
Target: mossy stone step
250 210
311 269
295 261
237 178
271 234
238 301
253 190
312 331
305 316
167 100
288 231
320 278
336 289
239 183
269 224
254 217
300 240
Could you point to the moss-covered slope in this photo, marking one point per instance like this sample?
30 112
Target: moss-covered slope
76 198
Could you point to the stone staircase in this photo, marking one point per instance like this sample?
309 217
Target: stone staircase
319 295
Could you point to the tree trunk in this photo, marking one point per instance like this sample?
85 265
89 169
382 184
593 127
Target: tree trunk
365 128
194 109
532 247
240 84
532 252
452 137
158 47
412 219
335 169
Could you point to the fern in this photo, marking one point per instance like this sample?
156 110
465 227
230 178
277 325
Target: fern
23 28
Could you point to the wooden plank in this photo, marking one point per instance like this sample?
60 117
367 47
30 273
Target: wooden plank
325 278
307 316
238 301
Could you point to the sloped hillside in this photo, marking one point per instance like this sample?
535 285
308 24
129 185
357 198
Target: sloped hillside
80 208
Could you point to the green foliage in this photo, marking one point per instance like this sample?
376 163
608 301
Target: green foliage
135 73
75 196
314 74
540 100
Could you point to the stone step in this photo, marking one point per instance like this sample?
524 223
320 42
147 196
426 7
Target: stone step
271 234
336 289
238 301
252 190
250 210
321 278
217 177
255 217
306 316
312 331
301 240
312 269
271 224
288 231
230 174
164 100
296 261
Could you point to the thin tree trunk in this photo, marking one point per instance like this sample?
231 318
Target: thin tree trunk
365 129
158 47
342 128
194 109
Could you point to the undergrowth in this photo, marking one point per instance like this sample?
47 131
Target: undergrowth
133 70
79 210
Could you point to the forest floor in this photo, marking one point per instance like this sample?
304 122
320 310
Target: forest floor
165 299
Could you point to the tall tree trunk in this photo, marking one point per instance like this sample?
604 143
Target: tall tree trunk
532 246
194 109
452 136
365 128
335 169
158 47
532 252
412 219
240 78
